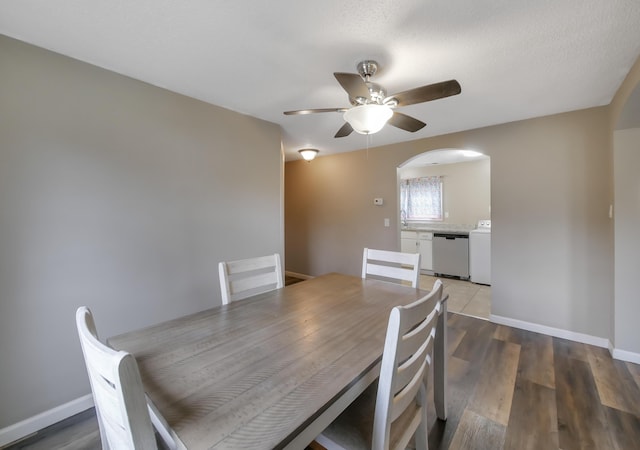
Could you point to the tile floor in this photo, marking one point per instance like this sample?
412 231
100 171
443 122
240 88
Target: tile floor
464 297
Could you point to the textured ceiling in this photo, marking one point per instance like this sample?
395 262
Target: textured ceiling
514 59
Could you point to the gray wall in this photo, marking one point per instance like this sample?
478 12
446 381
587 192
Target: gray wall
117 195
552 239
627 248
625 117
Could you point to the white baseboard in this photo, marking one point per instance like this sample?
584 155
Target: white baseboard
624 355
302 276
550 331
36 423
615 353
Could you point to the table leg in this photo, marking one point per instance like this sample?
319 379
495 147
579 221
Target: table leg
440 363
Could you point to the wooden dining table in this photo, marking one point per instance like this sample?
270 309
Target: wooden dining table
273 370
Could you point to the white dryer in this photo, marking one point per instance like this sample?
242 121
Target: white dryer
480 253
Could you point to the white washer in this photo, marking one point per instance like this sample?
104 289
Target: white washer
480 253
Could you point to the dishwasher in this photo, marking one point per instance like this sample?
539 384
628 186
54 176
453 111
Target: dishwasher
451 254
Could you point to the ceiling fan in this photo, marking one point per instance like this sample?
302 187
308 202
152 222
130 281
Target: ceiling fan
371 107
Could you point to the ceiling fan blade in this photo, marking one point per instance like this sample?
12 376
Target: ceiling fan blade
353 84
312 111
428 93
405 122
345 130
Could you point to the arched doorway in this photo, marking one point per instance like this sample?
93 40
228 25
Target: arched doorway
442 229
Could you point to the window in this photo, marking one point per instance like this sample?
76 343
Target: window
421 198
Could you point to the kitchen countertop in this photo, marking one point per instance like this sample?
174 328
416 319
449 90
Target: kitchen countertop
461 230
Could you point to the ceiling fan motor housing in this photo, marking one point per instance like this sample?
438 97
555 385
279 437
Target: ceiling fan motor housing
367 69
377 93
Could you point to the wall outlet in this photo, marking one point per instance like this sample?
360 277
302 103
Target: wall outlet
386 222
446 215
377 201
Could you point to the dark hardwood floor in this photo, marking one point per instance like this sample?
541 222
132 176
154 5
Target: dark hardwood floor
514 389
508 389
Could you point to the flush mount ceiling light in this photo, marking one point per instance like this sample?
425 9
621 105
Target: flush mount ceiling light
368 119
308 153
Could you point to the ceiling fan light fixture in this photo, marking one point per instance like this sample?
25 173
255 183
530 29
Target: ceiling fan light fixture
308 153
368 119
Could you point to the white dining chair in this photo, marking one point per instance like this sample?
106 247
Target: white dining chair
393 411
124 417
247 277
395 265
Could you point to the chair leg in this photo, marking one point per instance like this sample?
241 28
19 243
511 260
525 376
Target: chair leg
421 436
161 426
422 433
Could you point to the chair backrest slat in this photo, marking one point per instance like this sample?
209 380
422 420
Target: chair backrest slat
394 265
417 335
246 265
267 280
414 350
247 277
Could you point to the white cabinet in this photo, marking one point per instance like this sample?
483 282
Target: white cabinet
425 245
409 242
418 242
